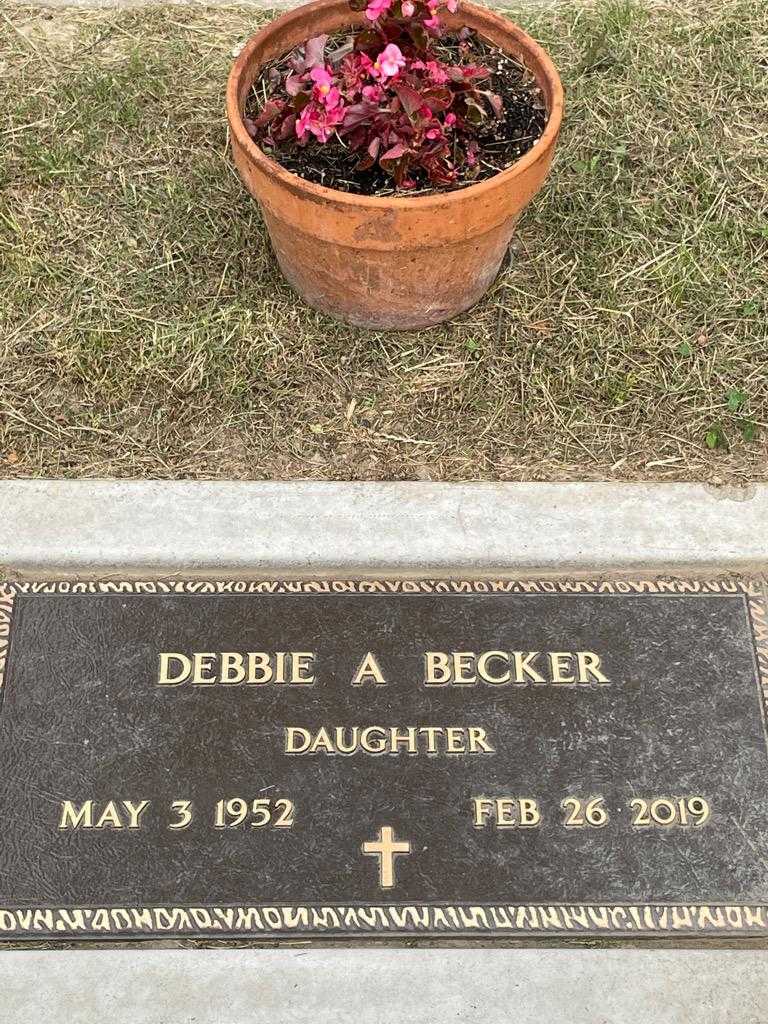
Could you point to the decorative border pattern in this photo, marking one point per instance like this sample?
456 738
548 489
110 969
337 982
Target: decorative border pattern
728 585
461 919
758 614
6 612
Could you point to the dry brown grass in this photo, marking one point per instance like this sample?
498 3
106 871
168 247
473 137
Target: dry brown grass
145 329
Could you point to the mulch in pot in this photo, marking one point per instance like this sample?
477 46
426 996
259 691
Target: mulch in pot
502 142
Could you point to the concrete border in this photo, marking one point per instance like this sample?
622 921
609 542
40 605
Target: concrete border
384 987
301 529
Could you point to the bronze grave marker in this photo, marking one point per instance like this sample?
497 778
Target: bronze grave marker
520 760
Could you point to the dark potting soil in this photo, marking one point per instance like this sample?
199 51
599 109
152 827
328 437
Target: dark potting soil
502 142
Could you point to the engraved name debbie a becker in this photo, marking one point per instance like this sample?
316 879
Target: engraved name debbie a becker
383 759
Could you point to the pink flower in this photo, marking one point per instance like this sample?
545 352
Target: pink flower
436 72
322 79
408 9
376 8
452 5
372 93
390 61
319 121
432 22
366 64
303 122
324 90
450 119
433 133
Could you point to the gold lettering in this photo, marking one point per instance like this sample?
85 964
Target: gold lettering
365 739
463 662
393 740
589 664
296 740
164 677
504 812
479 741
302 661
499 668
83 816
280 667
110 817
482 667
560 661
482 809
202 663
529 813
455 741
436 671
431 734
80 818
232 670
322 742
408 739
259 668
343 746
368 669
135 811
523 666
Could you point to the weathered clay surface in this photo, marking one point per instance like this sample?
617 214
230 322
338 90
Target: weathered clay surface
389 262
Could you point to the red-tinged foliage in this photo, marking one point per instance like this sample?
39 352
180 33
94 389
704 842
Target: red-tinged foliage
390 99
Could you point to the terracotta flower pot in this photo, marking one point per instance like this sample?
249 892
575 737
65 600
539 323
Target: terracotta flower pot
388 262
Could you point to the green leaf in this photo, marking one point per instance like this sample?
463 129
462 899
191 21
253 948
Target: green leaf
475 113
685 349
748 429
587 166
367 37
715 438
750 308
419 36
736 399
472 344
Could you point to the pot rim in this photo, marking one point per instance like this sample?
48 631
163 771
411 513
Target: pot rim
295 183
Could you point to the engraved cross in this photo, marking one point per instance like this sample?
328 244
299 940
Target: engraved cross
386 848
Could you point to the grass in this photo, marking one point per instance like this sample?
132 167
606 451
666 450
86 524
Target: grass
145 329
